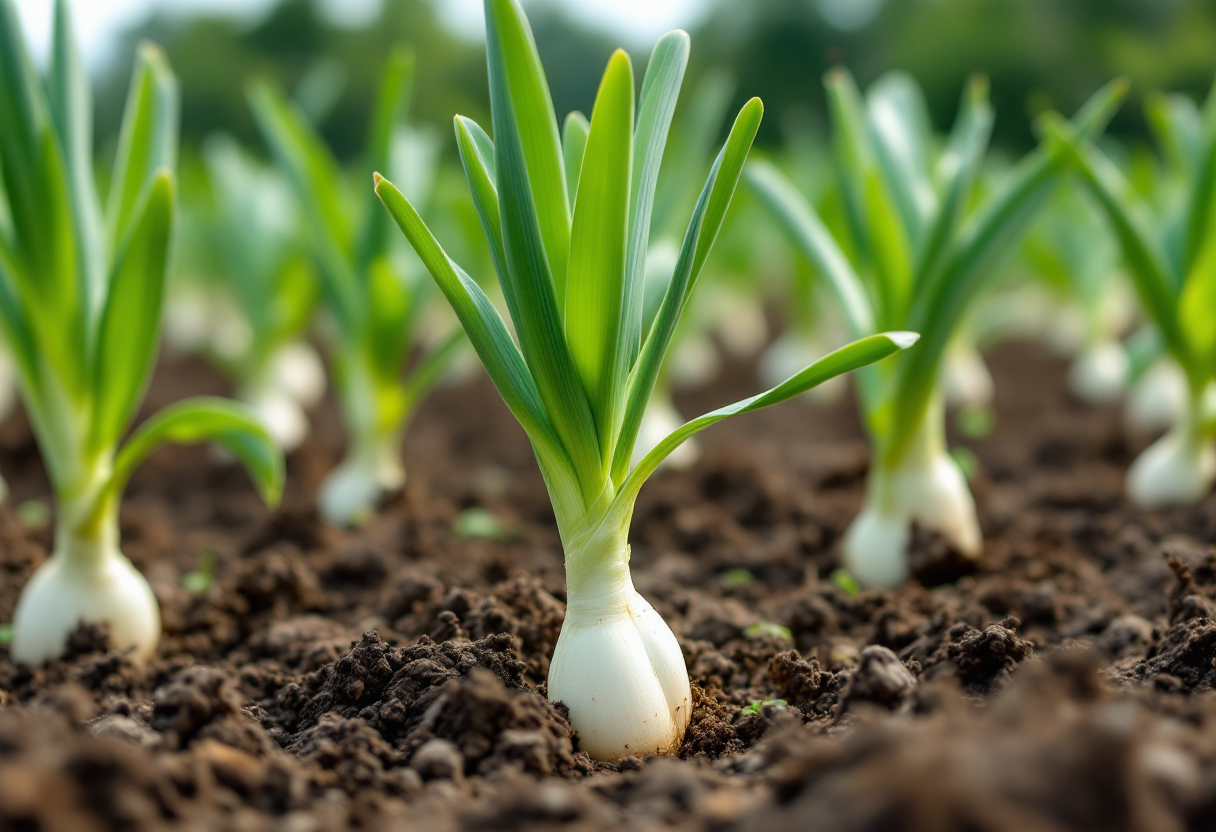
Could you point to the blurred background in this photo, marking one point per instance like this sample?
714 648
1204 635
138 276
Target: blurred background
1040 54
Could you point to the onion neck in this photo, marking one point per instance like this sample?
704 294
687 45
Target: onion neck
1180 467
922 485
598 583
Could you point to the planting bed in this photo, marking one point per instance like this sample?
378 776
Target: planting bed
392 678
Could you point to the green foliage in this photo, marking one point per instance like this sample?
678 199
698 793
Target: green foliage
1170 247
81 290
921 255
249 248
369 291
768 629
585 367
843 580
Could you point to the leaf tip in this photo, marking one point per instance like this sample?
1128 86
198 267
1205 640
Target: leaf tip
376 179
903 338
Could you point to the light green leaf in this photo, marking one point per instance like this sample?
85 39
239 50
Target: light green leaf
800 221
698 239
872 211
477 157
730 167
595 286
957 170
1150 269
130 322
522 156
34 209
660 91
517 82
315 176
147 141
386 331
392 101
15 325
204 419
846 359
481 322
1201 194
431 367
947 291
902 138
71 105
1175 123
574 145
1197 310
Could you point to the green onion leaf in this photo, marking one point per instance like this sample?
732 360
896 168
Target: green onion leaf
595 284
204 419
574 145
130 321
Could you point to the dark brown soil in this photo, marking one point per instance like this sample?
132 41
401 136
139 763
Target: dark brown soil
392 677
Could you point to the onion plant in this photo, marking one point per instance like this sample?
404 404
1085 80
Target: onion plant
921 254
585 366
263 290
1069 255
80 308
374 306
1171 257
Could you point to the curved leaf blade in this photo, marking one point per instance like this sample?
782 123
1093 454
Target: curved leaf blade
851 357
147 141
205 419
130 321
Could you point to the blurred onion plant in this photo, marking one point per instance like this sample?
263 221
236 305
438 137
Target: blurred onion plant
920 255
374 302
81 293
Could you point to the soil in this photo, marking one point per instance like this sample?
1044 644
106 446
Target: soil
392 677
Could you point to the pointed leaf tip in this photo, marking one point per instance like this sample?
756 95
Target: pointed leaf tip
376 178
903 339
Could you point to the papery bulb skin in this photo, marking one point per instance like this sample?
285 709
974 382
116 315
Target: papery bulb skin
926 487
84 582
1176 470
659 420
1157 400
1099 374
297 370
965 377
619 669
350 493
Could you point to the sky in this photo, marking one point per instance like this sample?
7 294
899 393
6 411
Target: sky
98 22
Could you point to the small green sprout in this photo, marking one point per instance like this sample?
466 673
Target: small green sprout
918 254
754 707
478 522
738 577
34 514
845 582
976 421
569 227
81 294
199 579
1170 251
769 629
374 297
